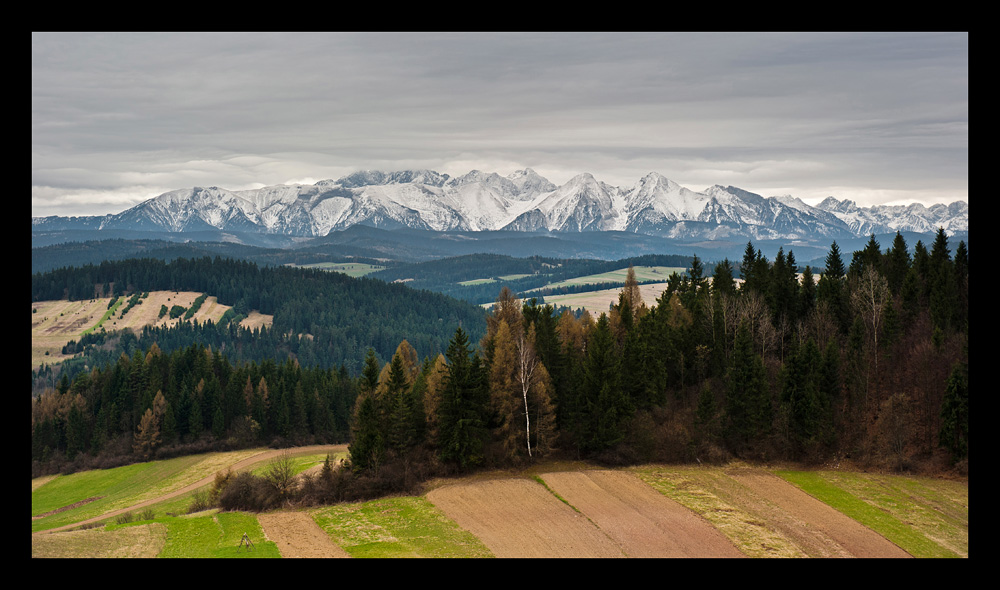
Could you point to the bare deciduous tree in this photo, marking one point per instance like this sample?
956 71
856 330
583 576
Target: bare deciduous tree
870 297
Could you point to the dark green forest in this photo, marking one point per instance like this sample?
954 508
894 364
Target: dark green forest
342 316
444 275
867 362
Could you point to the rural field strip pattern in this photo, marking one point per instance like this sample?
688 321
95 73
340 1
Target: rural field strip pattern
243 464
603 513
858 540
643 522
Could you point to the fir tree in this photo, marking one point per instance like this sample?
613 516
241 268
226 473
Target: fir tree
462 431
605 404
954 434
748 404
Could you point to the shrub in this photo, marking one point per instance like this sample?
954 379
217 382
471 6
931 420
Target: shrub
124 518
200 501
250 493
280 473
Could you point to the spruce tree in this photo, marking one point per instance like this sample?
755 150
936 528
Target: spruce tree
954 434
462 430
832 289
605 404
748 404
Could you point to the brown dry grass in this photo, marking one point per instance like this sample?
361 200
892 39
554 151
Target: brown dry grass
135 541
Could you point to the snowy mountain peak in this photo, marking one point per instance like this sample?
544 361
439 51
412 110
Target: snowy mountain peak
520 201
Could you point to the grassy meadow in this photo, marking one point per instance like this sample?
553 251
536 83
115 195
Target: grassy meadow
397 527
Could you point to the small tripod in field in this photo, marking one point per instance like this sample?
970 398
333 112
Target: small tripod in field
246 540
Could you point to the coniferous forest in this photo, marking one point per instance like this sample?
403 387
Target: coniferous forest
866 362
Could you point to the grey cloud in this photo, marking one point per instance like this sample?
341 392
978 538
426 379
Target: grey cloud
110 108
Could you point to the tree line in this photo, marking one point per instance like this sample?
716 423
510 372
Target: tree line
155 404
866 362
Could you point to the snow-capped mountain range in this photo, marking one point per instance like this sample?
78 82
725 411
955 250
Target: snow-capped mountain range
522 201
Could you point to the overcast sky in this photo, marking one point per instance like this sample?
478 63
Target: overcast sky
875 117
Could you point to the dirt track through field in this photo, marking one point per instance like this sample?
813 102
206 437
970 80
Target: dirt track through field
643 522
239 466
297 535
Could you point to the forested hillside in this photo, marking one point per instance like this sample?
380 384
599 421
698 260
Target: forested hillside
321 318
452 276
866 363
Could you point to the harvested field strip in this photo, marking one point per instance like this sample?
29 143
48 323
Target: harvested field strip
926 517
145 540
396 527
641 521
766 516
754 524
520 518
857 539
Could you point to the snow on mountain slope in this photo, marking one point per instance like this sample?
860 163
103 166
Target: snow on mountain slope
521 201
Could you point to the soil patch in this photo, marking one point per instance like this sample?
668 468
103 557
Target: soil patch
65 508
643 522
520 518
850 537
297 535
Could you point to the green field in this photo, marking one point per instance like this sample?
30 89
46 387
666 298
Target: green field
926 517
101 491
397 527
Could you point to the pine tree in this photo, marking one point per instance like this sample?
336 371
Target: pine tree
507 428
943 292
748 404
401 434
897 262
954 434
367 449
801 393
832 289
462 431
722 279
605 405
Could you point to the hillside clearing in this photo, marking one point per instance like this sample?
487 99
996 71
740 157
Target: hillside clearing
55 323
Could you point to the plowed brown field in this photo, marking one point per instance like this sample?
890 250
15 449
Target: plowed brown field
640 520
619 516
298 535
615 514
520 518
